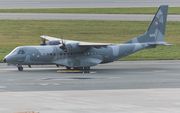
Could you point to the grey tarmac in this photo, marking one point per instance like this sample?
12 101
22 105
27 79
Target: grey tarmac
69 16
116 75
17 4
118 87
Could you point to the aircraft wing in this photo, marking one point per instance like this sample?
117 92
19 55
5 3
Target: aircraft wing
88 44
81 44
49 38
54 38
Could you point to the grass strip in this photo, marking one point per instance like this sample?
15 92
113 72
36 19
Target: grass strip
142 10
15 33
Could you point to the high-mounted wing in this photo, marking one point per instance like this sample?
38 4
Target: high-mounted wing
55 41
88 44
54 38
80 44
49 38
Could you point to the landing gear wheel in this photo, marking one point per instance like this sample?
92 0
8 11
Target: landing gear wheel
68 68
20 68
86 68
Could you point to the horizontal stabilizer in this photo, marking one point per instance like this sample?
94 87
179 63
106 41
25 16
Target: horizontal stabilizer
161 43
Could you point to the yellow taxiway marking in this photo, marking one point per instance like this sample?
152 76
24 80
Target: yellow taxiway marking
69 71
4 90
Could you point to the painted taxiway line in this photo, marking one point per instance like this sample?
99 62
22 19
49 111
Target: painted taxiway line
4 90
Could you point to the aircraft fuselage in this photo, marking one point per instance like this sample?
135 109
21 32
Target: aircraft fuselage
44 55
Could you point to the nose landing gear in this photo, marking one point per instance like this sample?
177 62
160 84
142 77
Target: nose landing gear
20 68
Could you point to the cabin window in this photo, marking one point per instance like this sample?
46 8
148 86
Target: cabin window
54 54
50 54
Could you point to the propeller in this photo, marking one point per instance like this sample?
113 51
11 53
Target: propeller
63 46
44 42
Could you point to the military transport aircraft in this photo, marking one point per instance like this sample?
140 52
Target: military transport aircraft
83 55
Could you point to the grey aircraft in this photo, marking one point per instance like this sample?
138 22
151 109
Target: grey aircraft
83 55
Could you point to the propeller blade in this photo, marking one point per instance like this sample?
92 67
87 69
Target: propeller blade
63 47
44 42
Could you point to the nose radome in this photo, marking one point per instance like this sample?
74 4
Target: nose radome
4 60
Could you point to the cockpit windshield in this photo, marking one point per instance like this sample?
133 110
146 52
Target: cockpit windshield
14 51
18 51
21 52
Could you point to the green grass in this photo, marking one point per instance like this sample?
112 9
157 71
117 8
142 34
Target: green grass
15 33
143 10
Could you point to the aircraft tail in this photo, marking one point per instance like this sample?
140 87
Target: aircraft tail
156 31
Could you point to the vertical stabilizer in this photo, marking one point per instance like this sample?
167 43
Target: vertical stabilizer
156 31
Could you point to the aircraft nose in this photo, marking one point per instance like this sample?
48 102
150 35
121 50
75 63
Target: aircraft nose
4 60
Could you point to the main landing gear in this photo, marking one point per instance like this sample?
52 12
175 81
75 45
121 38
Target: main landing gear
78 68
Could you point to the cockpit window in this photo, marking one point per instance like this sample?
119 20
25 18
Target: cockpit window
14 51
21 52
18 51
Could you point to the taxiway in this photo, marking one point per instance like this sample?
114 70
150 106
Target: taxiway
119 87
117 75
67 16
17 4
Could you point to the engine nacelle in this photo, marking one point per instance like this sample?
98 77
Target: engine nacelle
74 47
54 42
